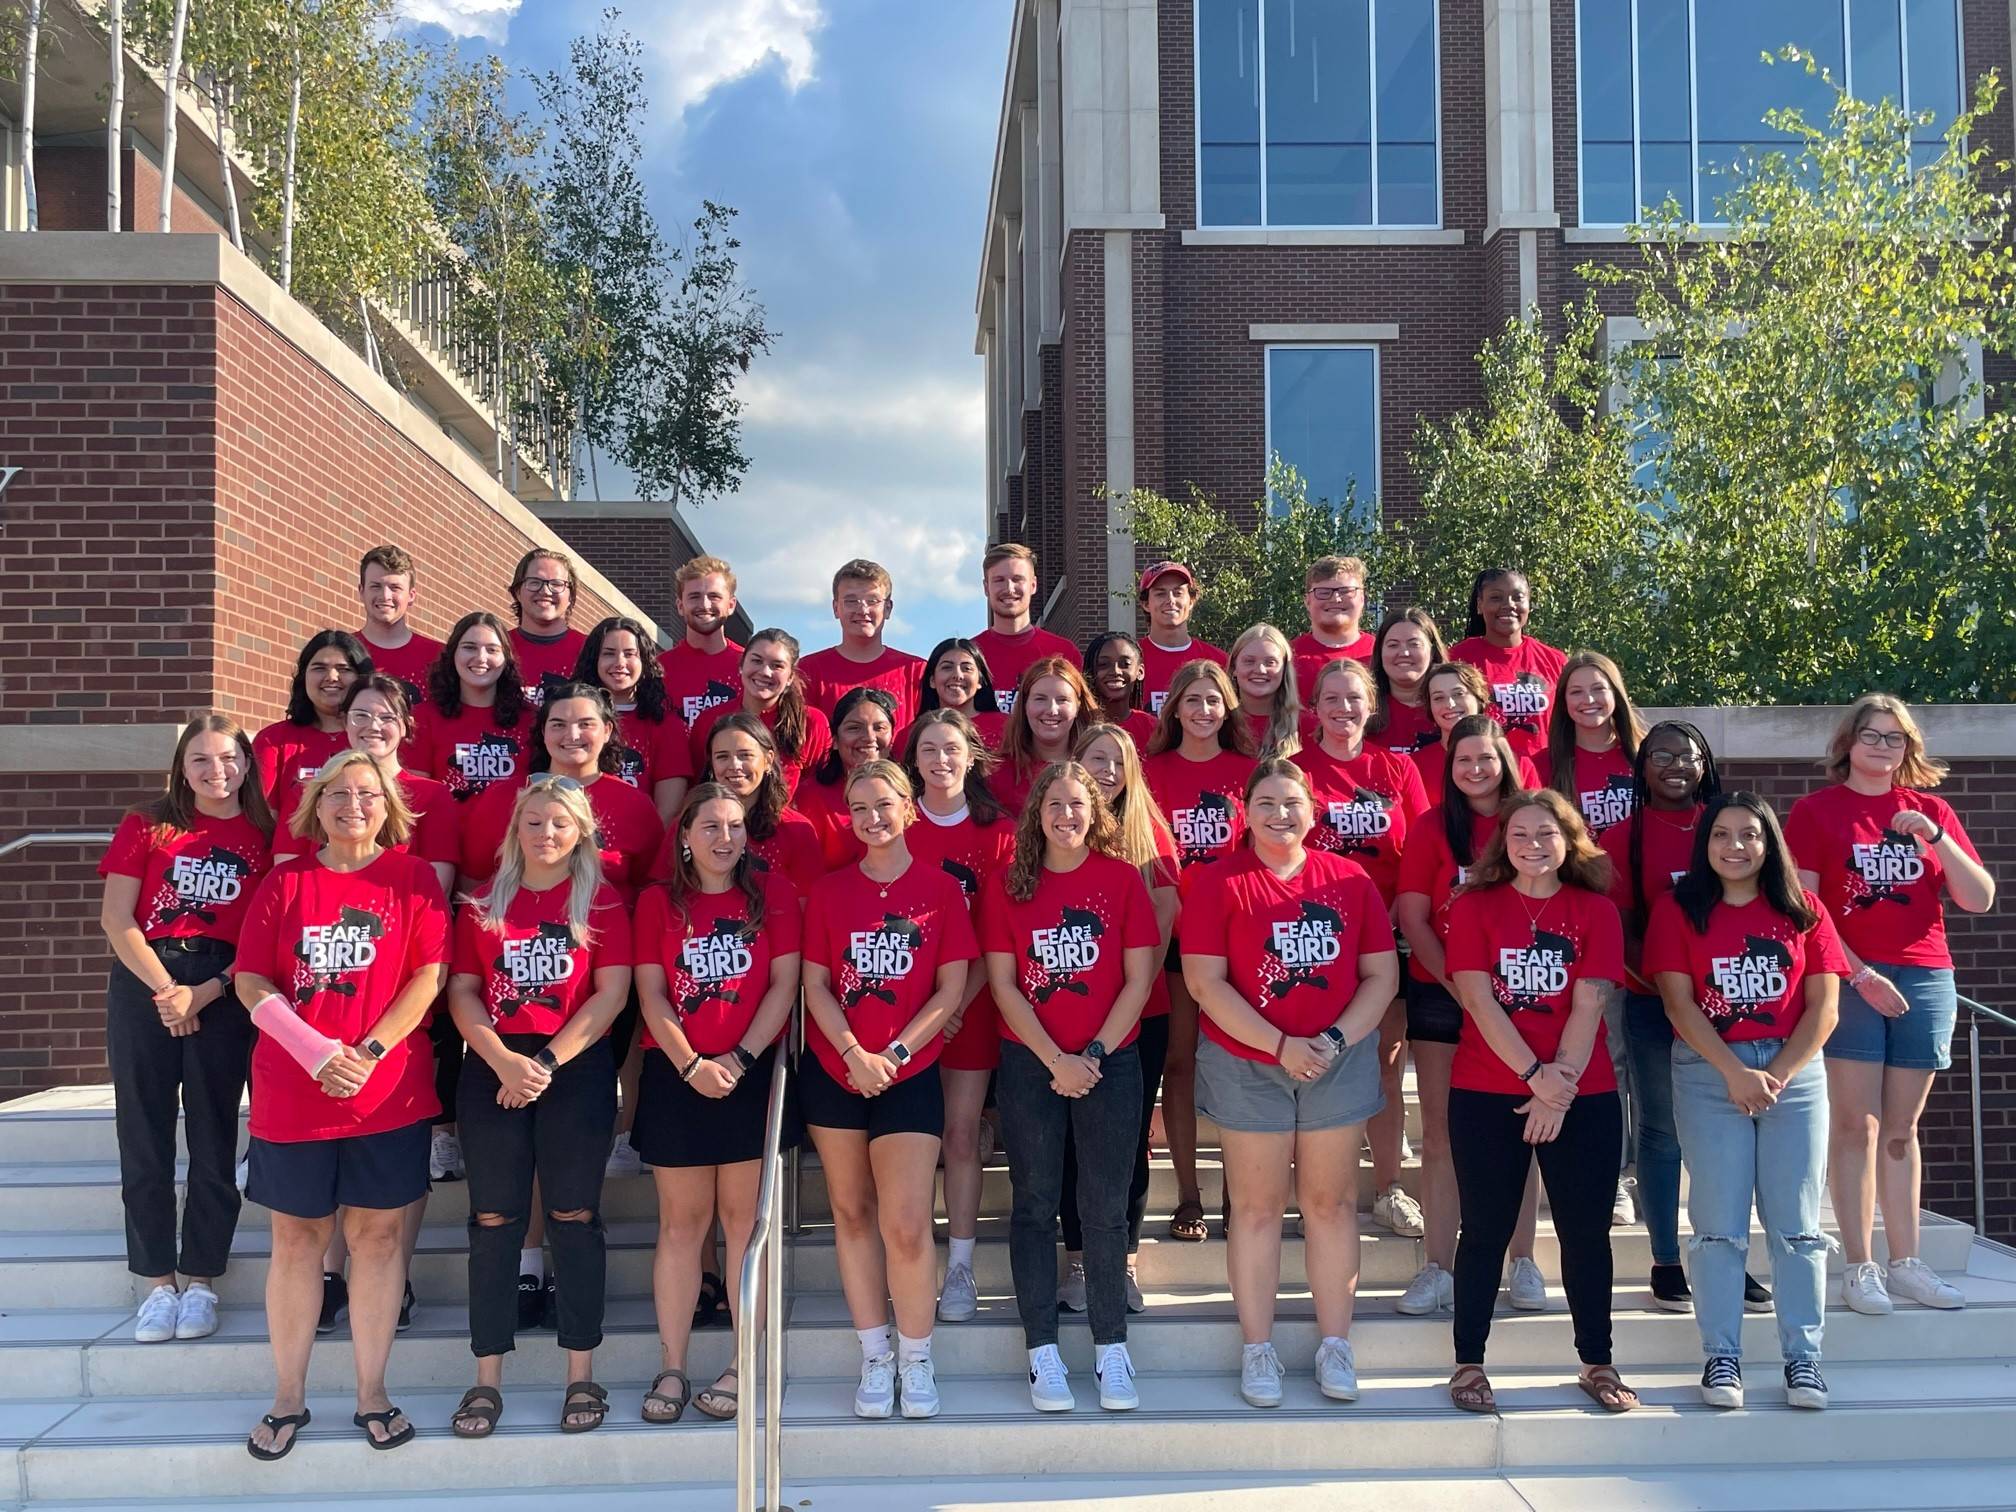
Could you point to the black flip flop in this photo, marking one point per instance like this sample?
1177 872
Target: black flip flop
295 1420
383 1419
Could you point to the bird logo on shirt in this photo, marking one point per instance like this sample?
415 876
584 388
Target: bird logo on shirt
1061 955
1299 950
875 958
527 972
710 960
198 887
716 692
1740 985
330 953
1528 975
967 878
1885 871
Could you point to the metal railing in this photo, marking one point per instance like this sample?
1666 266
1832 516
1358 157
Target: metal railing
1975 1013
55 837
763 1272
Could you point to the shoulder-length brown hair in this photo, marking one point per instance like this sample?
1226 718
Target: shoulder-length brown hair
176 808
1102 837
1018 745
1438 651
981 804
765 810
1916 770
682 883
1233 735
1561 726
1456 810
1585 865
1472 679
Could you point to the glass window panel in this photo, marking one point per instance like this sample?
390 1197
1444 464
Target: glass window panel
1228 111
1603 69
1935 63
1731 37
1323 419
1876 53
1665 104
1319 113
1668 168
1407 185
1606 184
1405 39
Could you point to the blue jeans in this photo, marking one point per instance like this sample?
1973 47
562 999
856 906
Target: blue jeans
1649 1038
1780 1155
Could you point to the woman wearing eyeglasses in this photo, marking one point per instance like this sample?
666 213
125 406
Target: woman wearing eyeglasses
1880 850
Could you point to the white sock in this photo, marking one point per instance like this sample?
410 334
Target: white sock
874 1341
532 1262
962 1252
910 1351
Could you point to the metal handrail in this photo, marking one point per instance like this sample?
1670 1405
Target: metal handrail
55 837
1975 1013
763 1265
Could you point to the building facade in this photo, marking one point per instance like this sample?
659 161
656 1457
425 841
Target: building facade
1221 230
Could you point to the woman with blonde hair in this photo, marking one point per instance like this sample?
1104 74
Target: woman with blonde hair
1881 851
542 968
1262 670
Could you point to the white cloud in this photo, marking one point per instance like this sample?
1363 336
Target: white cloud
488 19
701 45
823 400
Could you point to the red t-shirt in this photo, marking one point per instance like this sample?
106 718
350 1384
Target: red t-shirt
826 675
1364 808
1070 944
1881 893
1408 728
1159 665
1140 727
289 756
966 852
811 751
340 947
628 832
1748 972
408 663
1291 948
1310 656
824 806
194 883
791 851
1533 973
470 750
651 751
546 663
1204 801
534 977
700 680
1522 680
1009 656
717 969
1432 763
1428 867
437 823
882 954
1602 786
1166 870
1668 850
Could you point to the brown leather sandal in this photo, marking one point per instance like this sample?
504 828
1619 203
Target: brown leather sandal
670 1408
1603 1386
1470 1389
1187 1224
583 1399
720 1402
477 1415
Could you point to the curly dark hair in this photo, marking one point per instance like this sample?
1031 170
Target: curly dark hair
444 683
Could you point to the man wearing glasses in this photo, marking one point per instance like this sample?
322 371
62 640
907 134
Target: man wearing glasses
542 596
1334 593
862 602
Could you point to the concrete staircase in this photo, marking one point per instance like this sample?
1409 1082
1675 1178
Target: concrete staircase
1924 1408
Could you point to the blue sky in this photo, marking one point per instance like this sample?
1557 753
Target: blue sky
856 138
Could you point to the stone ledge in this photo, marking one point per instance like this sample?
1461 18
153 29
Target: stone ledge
1954 732
88 747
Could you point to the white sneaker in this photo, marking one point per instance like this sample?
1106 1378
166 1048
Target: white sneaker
1527 1286
444 1157
1071 1290
1260 1375
1406 1148
1915 1281
960 1297
1115 1371
1049 1383
1337 1370
875 1397
1722 1381
156 1323
243 1174
1862 1289
196 1312
1396 1210
623 1159
1624 1211
1432 1290
1135 1301
919 1389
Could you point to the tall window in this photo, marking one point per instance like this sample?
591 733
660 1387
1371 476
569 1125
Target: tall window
1673 93
1323 420
1317 113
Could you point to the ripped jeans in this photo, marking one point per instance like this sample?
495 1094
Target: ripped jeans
1780 1156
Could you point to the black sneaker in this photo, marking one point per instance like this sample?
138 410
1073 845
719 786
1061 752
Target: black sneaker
531 1303
335 1302
549 1305
1722 1382
1756 1295
406 1310
1803 1386
1670 1291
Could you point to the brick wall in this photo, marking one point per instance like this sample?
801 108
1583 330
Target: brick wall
637 554
70 191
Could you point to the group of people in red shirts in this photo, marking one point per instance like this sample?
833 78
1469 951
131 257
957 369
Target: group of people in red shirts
532 907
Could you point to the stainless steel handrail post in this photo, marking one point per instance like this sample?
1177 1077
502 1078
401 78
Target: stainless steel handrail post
1974 1094
763 1255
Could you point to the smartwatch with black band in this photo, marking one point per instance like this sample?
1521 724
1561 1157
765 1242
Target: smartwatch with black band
545 1057
1335 1036
1095 1052
743 1058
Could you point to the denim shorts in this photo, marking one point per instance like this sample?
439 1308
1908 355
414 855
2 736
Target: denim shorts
1921 1040
1258 1097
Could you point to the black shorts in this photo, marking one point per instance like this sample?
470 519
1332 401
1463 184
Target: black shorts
676 1126
1173 959
1432 1014
914 1105
623 1028
311 1178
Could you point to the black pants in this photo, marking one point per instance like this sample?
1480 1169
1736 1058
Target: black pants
1492 1158
154 1072
564 1138
1033 1124
449 1048
1152 1044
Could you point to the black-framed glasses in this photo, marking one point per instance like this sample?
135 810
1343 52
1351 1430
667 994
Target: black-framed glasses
1888 740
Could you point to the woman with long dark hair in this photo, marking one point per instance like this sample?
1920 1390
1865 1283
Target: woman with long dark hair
655 756
1116 673
473 729
1453 691
742 757
1521 672
1404 647
292 749
864 730
771 693
956 676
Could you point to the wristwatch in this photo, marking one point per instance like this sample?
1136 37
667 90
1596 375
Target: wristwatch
1335 1036
1095 1052
743 1058
898 1052
545 1057
372 1048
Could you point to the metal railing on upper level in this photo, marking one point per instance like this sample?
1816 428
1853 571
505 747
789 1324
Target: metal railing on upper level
55 837
760 1319
1975 1013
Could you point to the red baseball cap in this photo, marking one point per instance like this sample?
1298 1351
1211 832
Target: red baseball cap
1162 570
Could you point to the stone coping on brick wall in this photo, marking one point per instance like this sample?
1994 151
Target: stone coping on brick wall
188 258
1792 732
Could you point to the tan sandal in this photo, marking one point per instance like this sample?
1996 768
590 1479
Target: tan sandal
717 1401
1603 1386
1470 1389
